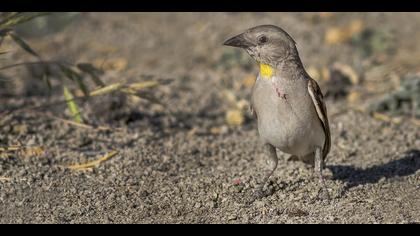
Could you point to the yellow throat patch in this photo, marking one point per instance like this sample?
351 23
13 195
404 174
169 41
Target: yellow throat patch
266 71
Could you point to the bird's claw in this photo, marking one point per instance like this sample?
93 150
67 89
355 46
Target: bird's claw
323 193
256 195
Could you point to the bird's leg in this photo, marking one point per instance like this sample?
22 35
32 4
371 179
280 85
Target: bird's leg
272 154
319 166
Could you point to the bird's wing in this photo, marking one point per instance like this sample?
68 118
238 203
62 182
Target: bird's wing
321 109
251 105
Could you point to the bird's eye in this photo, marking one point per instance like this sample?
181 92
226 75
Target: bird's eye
262 39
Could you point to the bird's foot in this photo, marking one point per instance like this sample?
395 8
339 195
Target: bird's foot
260 194
323 194
256 195
319 166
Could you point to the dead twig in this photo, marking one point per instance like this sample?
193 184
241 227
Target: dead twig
92 164
21 150
386 118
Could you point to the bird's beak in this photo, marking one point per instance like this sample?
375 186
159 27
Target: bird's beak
239 41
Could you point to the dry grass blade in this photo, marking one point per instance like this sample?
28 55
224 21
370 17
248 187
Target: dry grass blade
129 89
107 89
386 118
4 155
10 148
75 123
21 150
28 63
149 97
4 52
92 71
84 126
71 104
4 15
143 85
16 18
19 41
47 81
93 163
132 89
5 179
32 152
73 75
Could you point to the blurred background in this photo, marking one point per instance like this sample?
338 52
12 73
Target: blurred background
354 56
159 100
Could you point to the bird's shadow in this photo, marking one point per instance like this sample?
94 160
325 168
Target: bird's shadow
405 166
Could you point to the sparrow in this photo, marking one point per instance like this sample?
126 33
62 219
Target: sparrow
287 103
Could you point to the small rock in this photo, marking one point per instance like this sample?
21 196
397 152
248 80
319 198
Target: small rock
235 117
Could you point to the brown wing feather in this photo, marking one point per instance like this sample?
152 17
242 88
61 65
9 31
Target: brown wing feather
321 109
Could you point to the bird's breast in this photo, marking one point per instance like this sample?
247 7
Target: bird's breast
286 115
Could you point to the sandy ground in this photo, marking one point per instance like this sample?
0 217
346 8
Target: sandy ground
192 167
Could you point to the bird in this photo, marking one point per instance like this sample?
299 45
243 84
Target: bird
287 103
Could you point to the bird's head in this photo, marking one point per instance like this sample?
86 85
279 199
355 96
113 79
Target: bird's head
269 45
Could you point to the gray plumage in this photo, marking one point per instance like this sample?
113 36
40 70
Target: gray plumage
286 101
